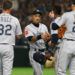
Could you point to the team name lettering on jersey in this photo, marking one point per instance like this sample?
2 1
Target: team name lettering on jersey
5 19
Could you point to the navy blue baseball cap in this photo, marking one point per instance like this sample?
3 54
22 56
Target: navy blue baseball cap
36 11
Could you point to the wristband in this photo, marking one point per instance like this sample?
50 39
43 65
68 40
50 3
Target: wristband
38 37
54 38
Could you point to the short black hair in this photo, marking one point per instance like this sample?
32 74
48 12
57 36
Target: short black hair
57 9
7 4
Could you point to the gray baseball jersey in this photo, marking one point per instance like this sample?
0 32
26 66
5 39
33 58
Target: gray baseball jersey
32 30
9 28
56 55
69 20
55 31
67 49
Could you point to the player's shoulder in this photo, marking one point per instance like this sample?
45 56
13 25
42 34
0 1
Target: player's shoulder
42 24
29 25
56 20
14 18
67 13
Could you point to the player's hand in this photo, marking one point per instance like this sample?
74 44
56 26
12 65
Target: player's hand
48 55
45 36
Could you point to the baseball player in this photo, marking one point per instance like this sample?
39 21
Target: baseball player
9 29
57 13
36 33
67 49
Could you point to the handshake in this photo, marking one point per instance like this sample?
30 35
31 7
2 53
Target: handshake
45 36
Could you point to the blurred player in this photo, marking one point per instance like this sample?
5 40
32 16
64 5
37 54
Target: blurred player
67 49
36 33
57 33
9 28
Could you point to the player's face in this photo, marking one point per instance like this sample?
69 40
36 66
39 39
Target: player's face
73 7
36 18
51 14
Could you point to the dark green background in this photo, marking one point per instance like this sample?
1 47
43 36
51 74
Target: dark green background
21 57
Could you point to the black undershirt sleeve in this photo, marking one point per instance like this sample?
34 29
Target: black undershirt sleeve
29 38
55 26
54 38
37 38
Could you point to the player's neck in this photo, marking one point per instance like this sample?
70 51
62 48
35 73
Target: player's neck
7 11
57 16
36 24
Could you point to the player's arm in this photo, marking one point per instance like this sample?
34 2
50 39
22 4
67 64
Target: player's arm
54 34
30 36
47 35
18 31
33 39
60 22
43 36
55 37
56 26
52 43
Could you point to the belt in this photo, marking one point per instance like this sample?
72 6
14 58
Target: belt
4 44
69 39
41 50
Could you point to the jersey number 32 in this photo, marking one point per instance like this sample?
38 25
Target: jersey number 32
5 30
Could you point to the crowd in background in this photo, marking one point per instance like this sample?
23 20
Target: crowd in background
23 8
